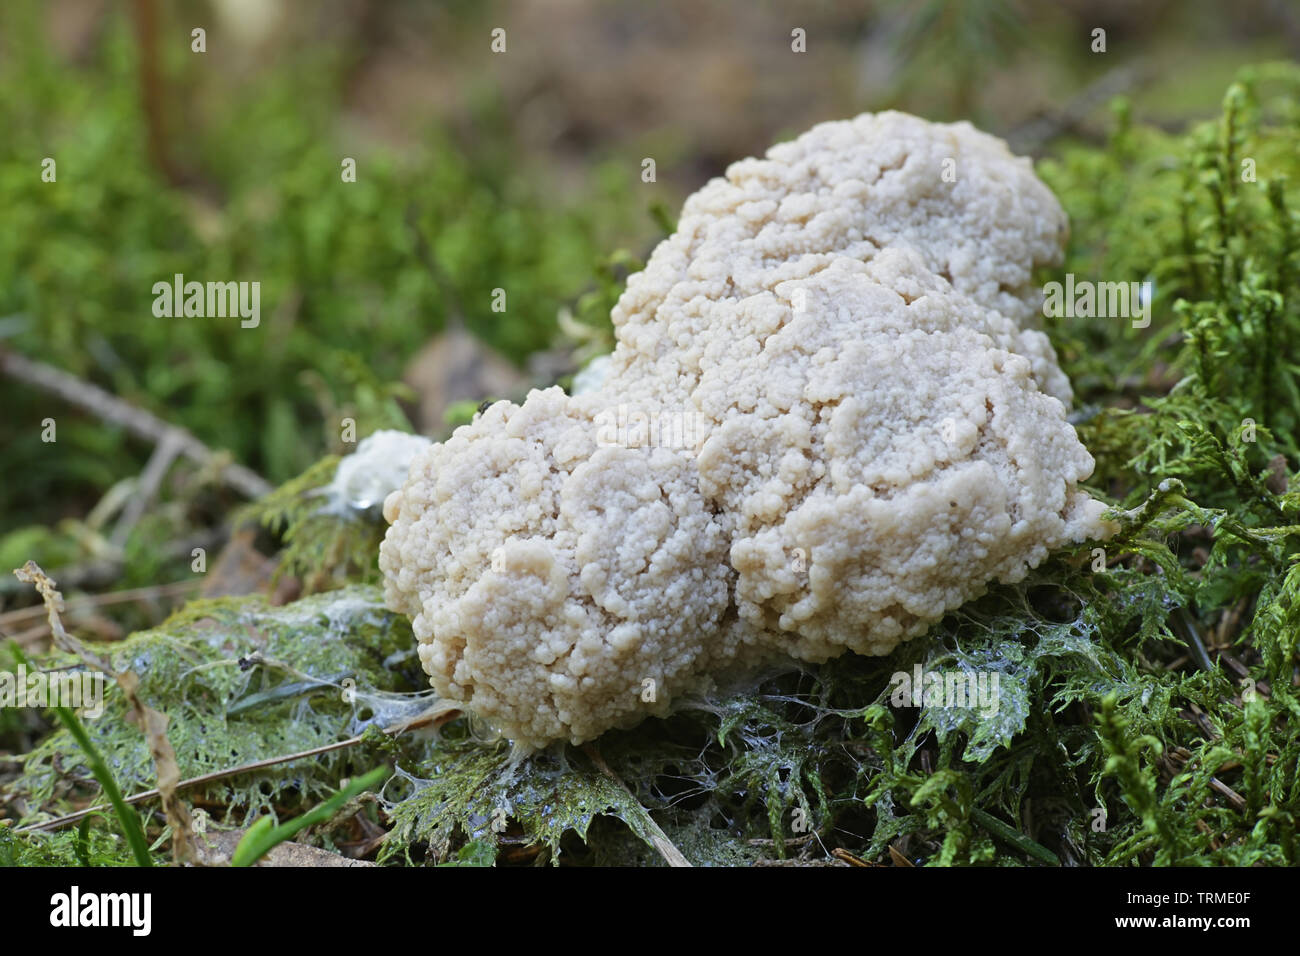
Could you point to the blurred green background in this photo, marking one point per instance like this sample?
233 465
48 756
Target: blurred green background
475 171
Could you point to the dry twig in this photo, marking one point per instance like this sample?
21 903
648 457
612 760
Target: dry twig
97 401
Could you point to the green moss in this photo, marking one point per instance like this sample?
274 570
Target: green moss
241 682
322 548
95 844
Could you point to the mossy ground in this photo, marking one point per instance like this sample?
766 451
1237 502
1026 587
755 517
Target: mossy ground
1148 690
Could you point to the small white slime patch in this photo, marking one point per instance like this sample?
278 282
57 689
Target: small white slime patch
365 477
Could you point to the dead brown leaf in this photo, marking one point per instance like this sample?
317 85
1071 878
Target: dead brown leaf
455 367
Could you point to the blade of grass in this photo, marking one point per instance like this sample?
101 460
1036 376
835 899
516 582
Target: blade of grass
263 836
1014 837
126 815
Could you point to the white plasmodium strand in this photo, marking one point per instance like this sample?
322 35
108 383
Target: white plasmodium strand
881 435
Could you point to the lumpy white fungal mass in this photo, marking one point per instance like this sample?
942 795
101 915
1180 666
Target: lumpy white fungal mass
876 432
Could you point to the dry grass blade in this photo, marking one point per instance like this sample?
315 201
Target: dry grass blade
665 846
152 723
